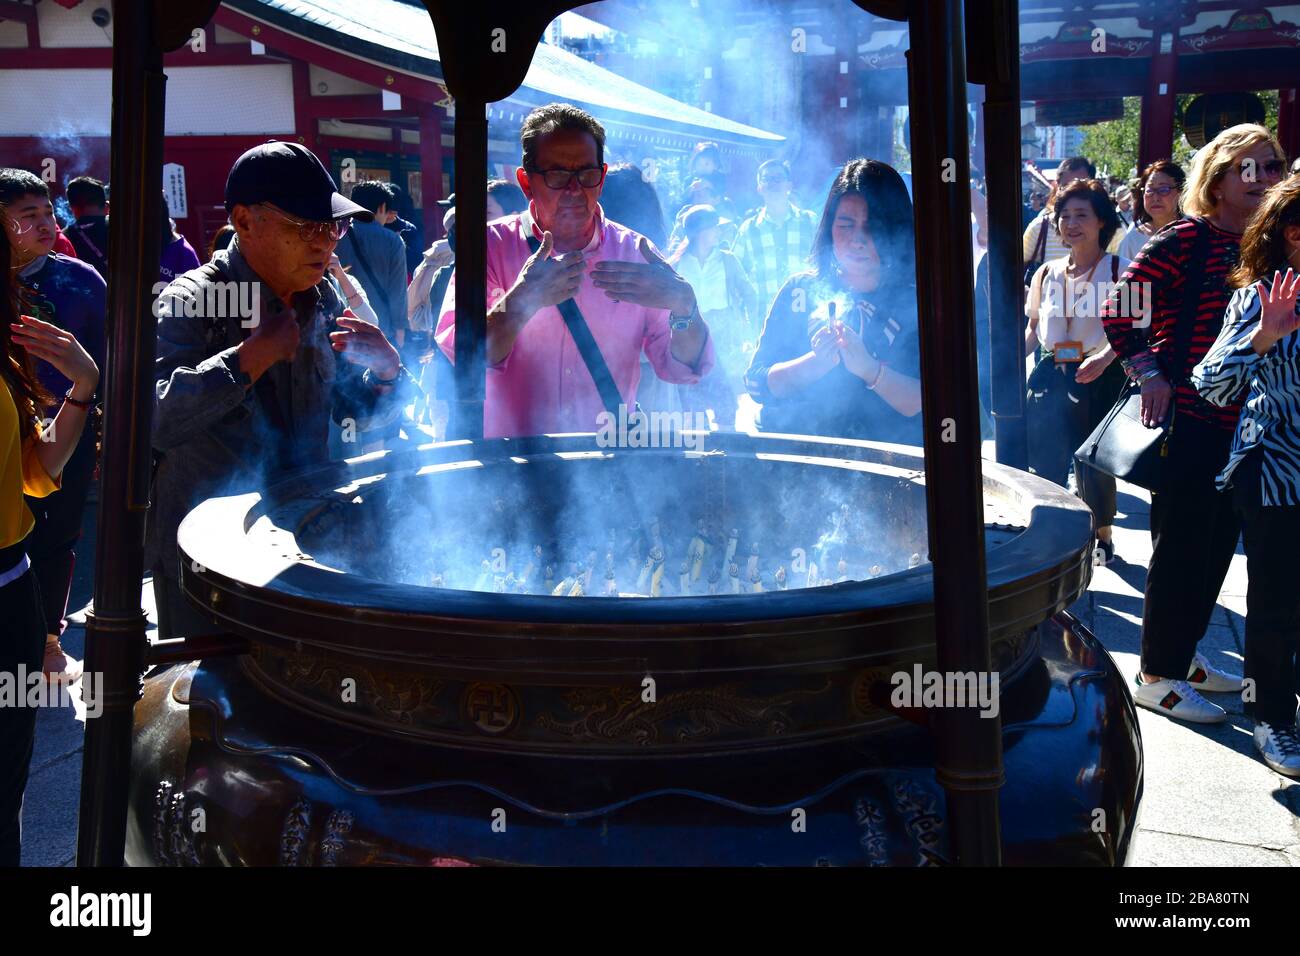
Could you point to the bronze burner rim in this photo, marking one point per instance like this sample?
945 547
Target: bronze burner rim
1048 557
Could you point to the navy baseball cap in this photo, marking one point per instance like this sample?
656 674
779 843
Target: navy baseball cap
289 175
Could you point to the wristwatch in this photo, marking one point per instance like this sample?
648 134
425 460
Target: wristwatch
682 323
370 378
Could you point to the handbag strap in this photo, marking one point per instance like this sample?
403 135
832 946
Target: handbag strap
587 348
364 263
1041 247
1191 298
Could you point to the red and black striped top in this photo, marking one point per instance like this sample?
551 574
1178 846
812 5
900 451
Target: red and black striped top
1163 265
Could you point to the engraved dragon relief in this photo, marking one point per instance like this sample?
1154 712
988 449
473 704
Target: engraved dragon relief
295 836
619 714
398 698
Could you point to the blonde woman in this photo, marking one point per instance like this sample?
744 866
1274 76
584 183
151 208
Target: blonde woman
1194 531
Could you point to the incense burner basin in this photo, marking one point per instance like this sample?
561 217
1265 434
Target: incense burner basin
547 652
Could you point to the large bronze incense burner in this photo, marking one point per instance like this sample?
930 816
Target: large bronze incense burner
379 719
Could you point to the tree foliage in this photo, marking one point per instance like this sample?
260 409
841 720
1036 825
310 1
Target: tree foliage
1113 145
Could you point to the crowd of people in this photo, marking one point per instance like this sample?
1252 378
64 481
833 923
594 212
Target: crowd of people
597 299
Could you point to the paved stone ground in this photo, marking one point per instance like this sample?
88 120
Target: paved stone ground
1209 801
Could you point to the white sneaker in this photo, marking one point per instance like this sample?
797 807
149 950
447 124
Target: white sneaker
1204 676
1280 748
1177 699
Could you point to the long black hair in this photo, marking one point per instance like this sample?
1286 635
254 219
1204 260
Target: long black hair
890 212
16 366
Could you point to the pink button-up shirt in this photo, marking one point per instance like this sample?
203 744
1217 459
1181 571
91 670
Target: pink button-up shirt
543 385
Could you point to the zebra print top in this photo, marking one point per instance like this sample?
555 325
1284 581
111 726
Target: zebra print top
1270 417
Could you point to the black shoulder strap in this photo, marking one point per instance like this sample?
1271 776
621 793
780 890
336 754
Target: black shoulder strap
1041 246
587 348
1192 289
85 237
375 287
1114 269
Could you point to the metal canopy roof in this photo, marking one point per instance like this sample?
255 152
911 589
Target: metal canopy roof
400 35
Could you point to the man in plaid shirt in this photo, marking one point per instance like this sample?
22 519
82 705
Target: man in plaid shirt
774 243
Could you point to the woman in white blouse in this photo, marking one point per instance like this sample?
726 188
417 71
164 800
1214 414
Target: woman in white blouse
1076 380
728 303
1159 196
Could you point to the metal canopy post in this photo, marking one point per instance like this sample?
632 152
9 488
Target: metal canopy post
466 420
115 628
485 57
996 34
969 764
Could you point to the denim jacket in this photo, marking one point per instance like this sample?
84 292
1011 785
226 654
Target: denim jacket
214 431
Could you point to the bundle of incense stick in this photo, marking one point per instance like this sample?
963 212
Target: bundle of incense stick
698 548
657 575
611 579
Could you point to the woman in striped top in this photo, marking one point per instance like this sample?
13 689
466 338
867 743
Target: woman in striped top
1259 348
1194 530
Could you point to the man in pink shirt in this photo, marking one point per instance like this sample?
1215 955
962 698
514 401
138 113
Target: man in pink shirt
632 300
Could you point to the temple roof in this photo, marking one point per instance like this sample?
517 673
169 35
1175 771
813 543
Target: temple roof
400 35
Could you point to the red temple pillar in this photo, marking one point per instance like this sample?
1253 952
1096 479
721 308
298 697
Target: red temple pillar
1159 101
431 169
1288 122
304 117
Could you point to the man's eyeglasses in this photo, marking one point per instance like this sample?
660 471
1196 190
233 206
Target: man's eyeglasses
313 231
1161 191
588 178
1249 169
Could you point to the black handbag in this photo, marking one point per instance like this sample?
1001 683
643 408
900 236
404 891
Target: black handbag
1121 445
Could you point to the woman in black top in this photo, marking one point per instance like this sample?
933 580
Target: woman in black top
838 353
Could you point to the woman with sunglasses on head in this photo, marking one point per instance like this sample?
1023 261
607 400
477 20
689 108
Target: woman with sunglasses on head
1161 320
31 463
1259 349
1157 196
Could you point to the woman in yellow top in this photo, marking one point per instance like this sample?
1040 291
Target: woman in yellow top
32 456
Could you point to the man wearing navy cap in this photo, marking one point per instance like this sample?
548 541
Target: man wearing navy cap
255 351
